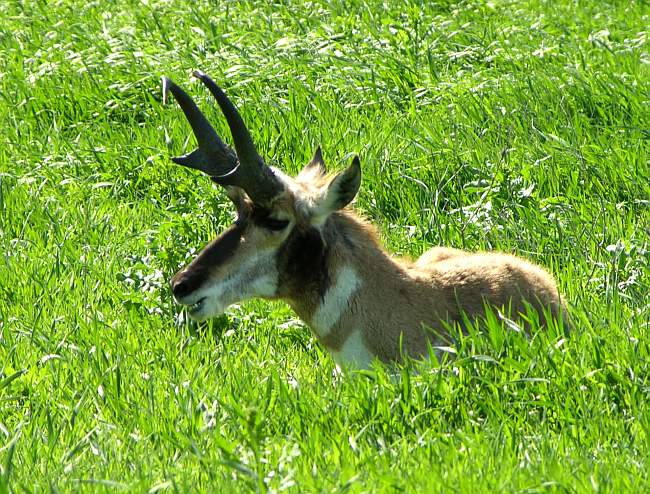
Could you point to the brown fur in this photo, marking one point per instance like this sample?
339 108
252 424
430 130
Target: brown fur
293 240
404 306
398 305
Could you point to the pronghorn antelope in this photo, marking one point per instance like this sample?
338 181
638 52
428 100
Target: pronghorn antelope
295 240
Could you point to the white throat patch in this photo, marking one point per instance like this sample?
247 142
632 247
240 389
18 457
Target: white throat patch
335 301
354 353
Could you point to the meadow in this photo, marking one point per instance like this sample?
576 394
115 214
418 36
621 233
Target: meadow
522 126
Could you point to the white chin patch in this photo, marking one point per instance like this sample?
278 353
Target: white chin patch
253 278
205 308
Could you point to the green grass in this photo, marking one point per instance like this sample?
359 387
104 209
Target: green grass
522 126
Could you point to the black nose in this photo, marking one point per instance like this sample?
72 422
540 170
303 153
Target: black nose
183 285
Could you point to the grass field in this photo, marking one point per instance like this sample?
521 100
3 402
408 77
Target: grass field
522 126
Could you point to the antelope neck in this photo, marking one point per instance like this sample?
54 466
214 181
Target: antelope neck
362 282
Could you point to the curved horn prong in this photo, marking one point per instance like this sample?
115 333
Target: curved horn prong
213 156
246 169
255 177
246 150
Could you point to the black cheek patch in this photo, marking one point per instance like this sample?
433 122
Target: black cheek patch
302 263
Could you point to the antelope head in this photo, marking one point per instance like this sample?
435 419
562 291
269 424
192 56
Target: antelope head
275 248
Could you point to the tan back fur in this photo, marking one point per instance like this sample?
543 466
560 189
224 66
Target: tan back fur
403 306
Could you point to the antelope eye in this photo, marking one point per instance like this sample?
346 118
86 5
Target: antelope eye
275 224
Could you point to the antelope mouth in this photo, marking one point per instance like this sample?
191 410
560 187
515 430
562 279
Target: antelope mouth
196 307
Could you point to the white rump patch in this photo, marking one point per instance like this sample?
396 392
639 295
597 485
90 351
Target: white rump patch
354 353
336 301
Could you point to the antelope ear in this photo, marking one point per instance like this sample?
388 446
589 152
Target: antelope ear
339 192
317 165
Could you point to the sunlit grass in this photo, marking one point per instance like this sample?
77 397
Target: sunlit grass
519 126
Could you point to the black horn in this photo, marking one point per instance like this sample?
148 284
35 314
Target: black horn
246 168
212 156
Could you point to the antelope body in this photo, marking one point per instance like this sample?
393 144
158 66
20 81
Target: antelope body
295 240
